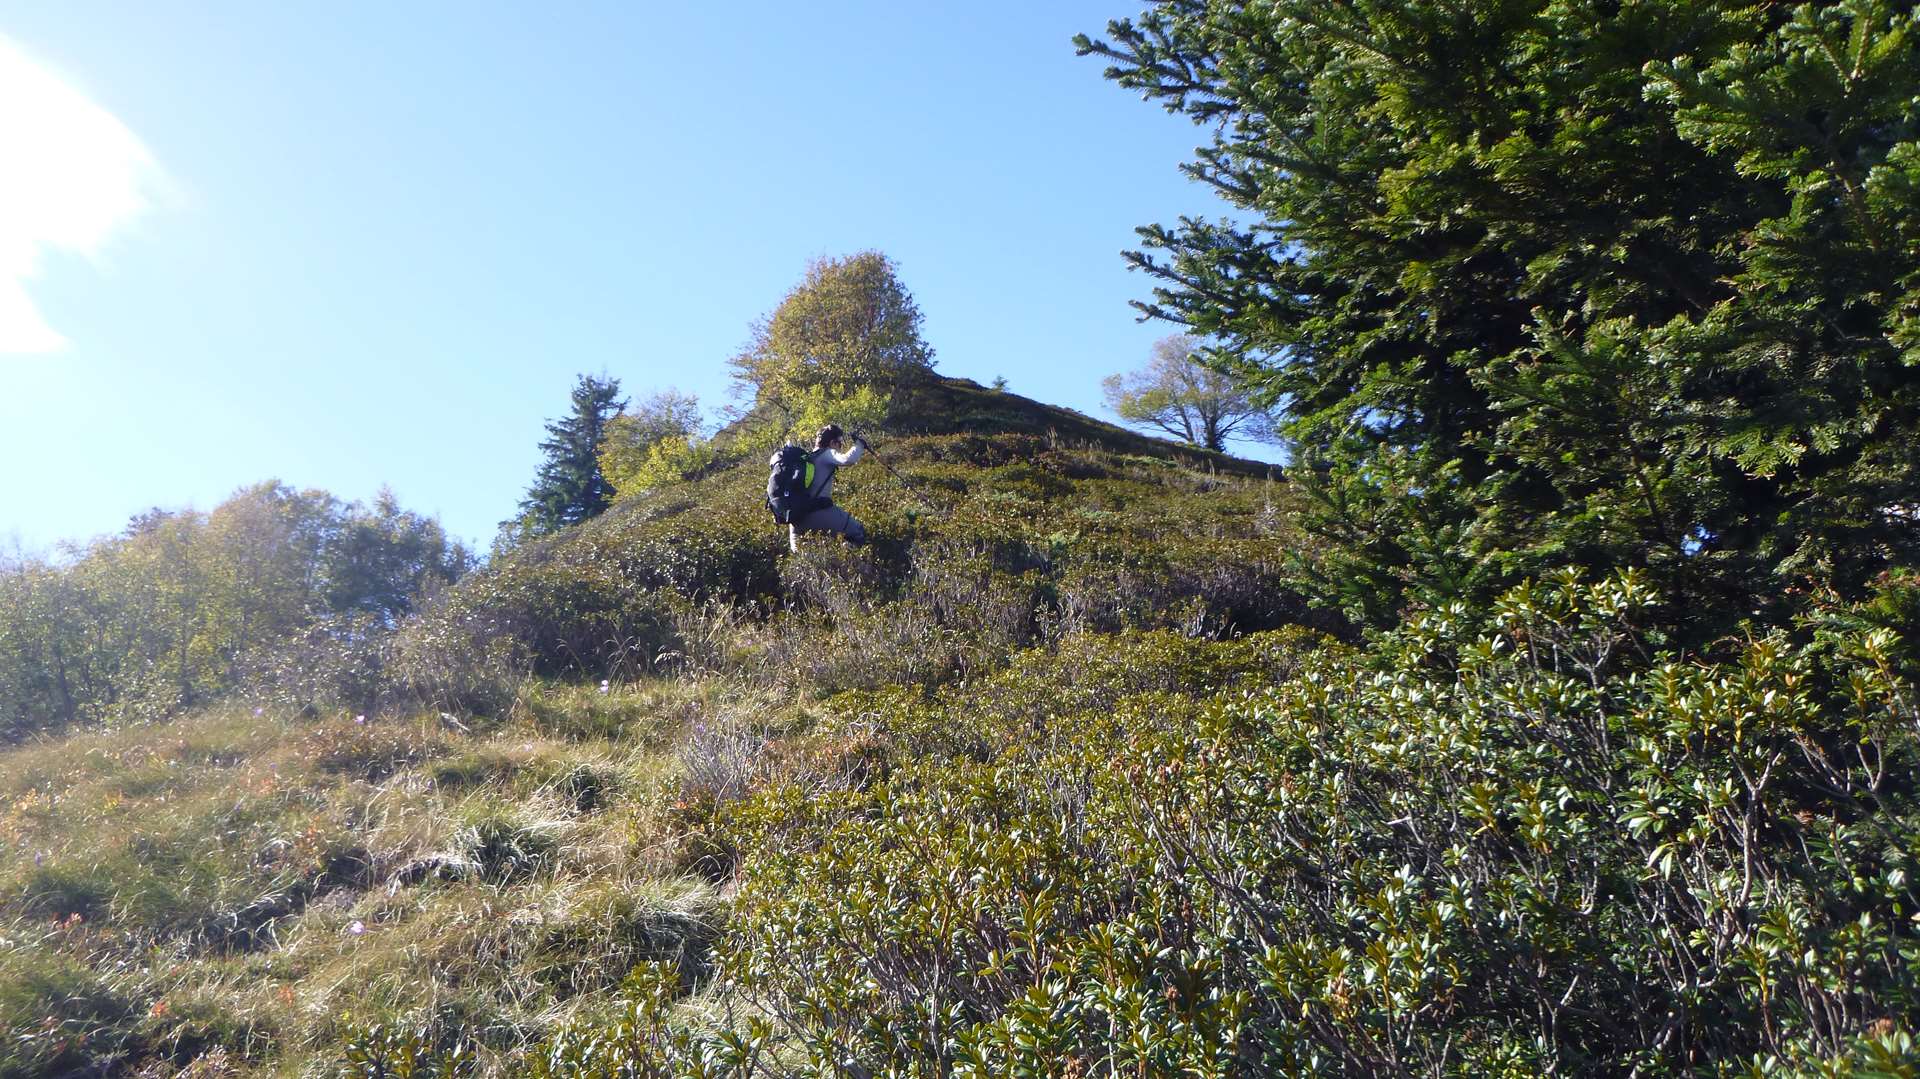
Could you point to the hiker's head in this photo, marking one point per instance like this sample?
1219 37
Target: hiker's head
828 438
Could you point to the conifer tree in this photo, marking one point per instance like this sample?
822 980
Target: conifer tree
569 487
1563 282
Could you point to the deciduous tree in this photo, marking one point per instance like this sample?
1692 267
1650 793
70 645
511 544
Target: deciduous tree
383 560
1177 394
849 323
664 424
180 607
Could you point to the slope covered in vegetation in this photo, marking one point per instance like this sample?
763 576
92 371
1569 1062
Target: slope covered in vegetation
1595 328
467 834
1051 778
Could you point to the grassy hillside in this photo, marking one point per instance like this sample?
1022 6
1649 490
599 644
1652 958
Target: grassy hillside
488 852
1056 777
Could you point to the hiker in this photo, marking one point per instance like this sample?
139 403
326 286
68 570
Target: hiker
823 515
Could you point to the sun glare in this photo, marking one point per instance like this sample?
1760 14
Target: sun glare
74 175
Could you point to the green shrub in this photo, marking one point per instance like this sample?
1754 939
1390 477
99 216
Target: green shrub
643 1040
854 620
1037 690
673 459
721 546
1201 587
1538 852
535 612
720 763
403 1051
337 662
989 550
522 909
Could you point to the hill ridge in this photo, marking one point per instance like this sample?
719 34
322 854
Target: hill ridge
954 405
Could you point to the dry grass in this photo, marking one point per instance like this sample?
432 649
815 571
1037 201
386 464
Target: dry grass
232 892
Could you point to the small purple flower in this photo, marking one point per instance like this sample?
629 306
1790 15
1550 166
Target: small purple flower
259 711
358 927
359 719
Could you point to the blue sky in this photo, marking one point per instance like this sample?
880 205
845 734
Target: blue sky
346 245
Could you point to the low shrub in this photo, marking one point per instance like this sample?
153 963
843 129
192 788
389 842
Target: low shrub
399 1050
1538 852
1201 587
643 1040
530 614
723 546
338 662
720 763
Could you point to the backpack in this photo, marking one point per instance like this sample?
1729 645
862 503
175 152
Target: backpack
787 486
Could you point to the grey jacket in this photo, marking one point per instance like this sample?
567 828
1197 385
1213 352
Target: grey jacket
826 462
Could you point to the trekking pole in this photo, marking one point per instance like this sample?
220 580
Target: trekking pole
904 482
895 473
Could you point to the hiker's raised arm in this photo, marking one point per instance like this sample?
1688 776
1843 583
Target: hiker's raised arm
852 455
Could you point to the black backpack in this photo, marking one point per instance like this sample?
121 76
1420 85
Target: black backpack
787 494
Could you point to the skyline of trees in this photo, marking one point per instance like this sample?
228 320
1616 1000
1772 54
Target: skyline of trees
181 606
